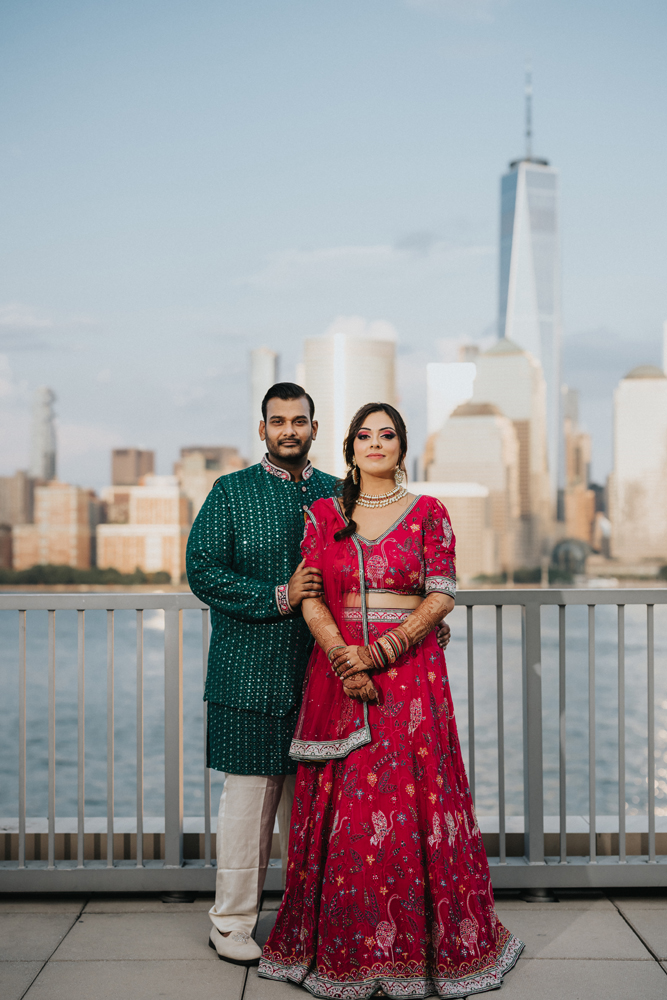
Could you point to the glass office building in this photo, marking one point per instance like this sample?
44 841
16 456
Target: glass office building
529 302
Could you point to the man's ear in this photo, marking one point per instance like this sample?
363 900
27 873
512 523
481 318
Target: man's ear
262 431
315 425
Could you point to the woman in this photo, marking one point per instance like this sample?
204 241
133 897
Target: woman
388 884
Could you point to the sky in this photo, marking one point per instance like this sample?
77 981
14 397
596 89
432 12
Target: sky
182 182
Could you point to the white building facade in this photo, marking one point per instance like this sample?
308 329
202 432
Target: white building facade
512 380
478 444
638 485
263 374
342 372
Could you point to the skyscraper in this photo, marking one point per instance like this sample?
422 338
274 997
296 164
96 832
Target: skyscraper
263 374
128 465
43 435
512 379
638 483
529 308
345 369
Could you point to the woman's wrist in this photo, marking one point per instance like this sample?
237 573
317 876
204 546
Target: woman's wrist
331 651
388 648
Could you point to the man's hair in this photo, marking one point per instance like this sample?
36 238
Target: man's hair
287 390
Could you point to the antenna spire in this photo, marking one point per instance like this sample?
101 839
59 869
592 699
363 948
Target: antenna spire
529 110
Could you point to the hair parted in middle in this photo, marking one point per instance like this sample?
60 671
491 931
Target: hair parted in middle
349 490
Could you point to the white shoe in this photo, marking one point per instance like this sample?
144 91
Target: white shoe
238 947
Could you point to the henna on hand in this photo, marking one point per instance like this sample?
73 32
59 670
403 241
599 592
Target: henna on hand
321 623
360 686
426 617
340 660
393 644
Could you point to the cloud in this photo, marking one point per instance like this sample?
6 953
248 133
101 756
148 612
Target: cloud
23 328
415 255
357 326
76 440
462 10
14 420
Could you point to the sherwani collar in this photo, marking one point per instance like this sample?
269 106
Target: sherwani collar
274 470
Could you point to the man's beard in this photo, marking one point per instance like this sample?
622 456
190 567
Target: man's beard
293 456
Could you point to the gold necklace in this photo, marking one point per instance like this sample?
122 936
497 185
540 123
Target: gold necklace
376 500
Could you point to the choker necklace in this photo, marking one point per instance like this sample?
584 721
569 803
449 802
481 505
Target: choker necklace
375 500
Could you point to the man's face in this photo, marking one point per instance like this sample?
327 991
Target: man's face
288 430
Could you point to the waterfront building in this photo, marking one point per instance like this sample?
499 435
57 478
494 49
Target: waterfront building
200 466
479 444
447 386
62 531
512 379
17 498
128 465
147 527
43 436
470 512
263 374
529 303
344 370
638 483
5 546
579 500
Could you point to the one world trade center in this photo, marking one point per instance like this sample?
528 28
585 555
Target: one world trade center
529 303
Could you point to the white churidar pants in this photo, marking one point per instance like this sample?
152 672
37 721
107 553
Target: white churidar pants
246 818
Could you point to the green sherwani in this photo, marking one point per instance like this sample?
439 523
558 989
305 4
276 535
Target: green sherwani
242 550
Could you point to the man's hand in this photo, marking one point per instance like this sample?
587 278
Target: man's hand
305 582
444 634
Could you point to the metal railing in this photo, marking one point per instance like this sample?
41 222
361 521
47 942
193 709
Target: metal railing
531 867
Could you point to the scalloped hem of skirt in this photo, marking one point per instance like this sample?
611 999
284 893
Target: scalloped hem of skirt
414 988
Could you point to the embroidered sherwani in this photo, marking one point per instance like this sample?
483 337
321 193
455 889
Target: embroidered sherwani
242 550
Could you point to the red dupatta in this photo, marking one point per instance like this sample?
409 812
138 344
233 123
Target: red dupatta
330 724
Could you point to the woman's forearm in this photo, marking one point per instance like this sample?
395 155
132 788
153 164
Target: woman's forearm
427 616
321 623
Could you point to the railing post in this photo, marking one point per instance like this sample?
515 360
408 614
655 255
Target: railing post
173 738
533 795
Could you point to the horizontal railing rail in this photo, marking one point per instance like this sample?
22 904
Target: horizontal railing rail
120 860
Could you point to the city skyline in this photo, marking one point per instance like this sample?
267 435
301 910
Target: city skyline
166 210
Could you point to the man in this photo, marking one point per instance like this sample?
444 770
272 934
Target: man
242 551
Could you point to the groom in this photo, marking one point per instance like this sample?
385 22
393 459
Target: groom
242 550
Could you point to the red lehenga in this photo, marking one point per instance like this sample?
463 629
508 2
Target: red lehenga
387 881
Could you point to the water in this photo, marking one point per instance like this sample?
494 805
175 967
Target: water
485 711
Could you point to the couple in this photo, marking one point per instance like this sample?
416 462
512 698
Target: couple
387 883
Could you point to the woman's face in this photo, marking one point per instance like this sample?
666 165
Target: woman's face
377 446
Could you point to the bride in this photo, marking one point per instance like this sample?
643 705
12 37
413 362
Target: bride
388 885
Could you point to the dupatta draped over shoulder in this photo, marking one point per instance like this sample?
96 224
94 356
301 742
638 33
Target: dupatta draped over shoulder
415 555
331 724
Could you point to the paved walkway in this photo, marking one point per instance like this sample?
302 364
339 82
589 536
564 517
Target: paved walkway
588 946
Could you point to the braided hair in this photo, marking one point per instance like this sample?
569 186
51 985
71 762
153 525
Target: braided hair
348 489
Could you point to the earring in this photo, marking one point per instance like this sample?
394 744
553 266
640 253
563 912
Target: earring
399 476
355 472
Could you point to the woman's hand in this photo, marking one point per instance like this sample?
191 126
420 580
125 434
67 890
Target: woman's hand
350 660
361 687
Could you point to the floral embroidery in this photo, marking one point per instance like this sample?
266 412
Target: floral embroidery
279 473
282 600
388 885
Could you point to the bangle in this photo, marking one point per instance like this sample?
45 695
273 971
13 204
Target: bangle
378 655
389 647
333 650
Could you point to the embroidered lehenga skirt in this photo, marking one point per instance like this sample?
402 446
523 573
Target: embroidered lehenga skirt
388 883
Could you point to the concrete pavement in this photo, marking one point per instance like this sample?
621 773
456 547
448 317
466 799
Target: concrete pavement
587 946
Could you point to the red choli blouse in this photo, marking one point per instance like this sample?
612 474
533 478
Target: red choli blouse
415 555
